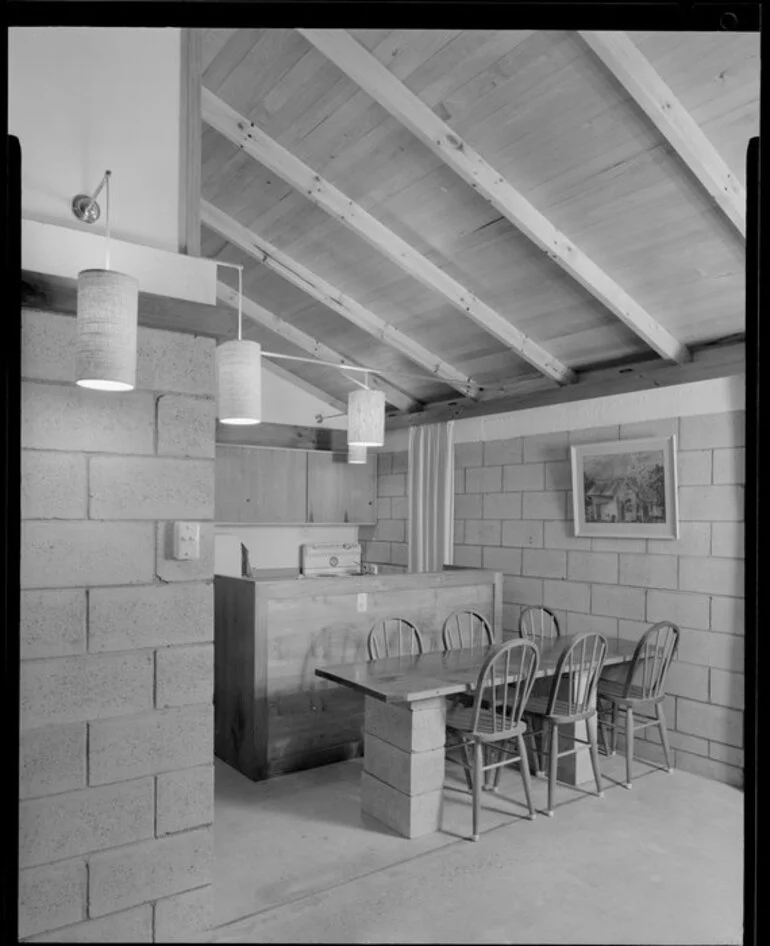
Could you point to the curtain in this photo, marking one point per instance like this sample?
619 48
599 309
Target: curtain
431 497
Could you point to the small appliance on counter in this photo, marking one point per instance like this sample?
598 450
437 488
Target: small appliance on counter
331 560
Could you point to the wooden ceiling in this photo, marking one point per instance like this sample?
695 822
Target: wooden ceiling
478 214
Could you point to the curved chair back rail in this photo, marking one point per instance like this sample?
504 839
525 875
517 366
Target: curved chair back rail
394 637
466 629
583 662
499 701
539 625
652 658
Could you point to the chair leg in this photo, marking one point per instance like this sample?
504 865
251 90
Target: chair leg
663 734
591 726
496 773
478 775
629 743
554 763
614 728
602 725
524 766
467 769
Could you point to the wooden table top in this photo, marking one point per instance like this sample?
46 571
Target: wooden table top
442 673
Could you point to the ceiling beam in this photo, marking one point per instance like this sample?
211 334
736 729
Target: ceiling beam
713 362
267 319
643 83
311 283
378 82
272 368
268 152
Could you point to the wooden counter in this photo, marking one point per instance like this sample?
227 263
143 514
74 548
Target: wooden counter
272 714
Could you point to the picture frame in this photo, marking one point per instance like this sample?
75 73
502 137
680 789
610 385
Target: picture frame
626 489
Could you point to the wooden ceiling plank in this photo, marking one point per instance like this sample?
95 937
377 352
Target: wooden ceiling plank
643 83
272 368
423 122
262 316
311 283
240 130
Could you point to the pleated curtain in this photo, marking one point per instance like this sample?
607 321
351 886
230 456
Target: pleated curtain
431 497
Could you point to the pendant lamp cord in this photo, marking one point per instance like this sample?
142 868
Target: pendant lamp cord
107 175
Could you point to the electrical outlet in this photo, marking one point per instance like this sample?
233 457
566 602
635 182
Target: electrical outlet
187 541
361 602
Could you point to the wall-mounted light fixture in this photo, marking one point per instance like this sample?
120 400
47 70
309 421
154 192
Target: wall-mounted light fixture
107 312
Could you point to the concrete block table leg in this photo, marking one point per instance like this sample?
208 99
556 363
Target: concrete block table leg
403 777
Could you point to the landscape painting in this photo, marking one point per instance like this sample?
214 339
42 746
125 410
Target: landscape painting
625 488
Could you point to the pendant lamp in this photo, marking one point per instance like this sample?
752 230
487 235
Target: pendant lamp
238 365
356 453
366 418
107 313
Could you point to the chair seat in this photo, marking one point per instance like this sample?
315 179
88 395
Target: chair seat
460 720
614 690
538 706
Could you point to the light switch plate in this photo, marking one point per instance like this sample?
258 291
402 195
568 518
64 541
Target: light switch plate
187 541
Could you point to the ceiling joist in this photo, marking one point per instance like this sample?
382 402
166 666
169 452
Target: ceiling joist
378 82
267 319
268 152
642 82
309 282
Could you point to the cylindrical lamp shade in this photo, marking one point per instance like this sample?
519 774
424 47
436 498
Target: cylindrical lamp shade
356 453
366 418
239 382
108 305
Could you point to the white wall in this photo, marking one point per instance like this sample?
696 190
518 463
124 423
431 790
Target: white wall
683 400
82 100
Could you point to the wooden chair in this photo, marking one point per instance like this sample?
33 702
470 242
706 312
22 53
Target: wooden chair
466 629
495 720
644 685
394 637
577 672
539 625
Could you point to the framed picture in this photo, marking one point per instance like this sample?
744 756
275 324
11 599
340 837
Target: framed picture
626 489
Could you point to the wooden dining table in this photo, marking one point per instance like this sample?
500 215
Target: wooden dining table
405 726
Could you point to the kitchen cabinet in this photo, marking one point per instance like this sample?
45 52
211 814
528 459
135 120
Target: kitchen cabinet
338 491
260 485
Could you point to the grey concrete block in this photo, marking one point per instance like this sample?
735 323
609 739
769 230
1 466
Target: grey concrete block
727 615
469 454
186 426
569 595
694 539
62 826
499 452
502 506
728 540
649 571
711 503
484 479
469 506
524 533
128 926
52 759
710 722
169 569
641 430
726 688
48 345
561 535
720 576
92 686
594 434
150 616
730 465
58 554
151 488
173 361
467 556
399 506
483 531
618 601
523 591
503 560
53 485
382 508
687 610
600 567
400 462
392 485
185 799
390 530
52 623
384 464
578 623
710 768
545 447
544 563
399 553
523 476
51 896
694 468
150 870
184 675
184 915
713 430
544 505
68 417
160 741
558 474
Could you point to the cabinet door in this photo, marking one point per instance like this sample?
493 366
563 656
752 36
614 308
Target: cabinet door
338 491
256 484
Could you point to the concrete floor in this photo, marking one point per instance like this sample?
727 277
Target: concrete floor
662 863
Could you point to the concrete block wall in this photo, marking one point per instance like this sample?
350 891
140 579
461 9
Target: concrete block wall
513 513
116 742
387 543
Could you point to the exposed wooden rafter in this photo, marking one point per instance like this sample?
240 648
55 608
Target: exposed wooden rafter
655 98
191 65
309 282
238 129
264 317
706 364
378 82
272 368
